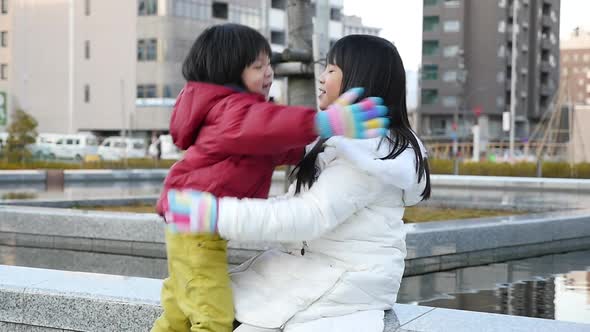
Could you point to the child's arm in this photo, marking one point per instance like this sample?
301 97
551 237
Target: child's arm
262 128
246 126
328 203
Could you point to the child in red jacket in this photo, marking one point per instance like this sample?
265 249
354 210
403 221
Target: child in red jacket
234 139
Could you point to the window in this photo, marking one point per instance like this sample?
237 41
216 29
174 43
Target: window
87 7
3 71
147 7
147 49
586 57
245 15
4 39
450 76
450 101
87 93
451 51
87 49
429 96
430 23
197 9
277 37
430 47
430 72
167 91
220 10
566 58
546 8
147 91
279 4
4 6
430 2
152 49
335 14
171 90
451 26
452 3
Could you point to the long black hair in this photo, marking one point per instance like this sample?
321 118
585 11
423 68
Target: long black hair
222 52
374 64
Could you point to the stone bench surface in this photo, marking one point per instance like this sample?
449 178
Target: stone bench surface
78 301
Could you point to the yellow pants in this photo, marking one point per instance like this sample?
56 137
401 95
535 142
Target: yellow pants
197 294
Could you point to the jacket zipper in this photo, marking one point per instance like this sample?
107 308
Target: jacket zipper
303 248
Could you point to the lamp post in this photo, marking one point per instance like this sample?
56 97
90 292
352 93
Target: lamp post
514 77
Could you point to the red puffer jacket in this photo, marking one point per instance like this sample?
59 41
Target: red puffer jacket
234 140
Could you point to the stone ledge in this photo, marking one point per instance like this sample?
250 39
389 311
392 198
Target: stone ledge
50 300
508 182
431 246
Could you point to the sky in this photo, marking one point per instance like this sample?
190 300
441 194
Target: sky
401 21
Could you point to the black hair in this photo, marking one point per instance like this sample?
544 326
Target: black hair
222 52
374 64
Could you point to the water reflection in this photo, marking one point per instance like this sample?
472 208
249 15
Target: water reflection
553 287
109 189
533 200
545 199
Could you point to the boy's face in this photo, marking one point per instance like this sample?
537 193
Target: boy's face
257 77
330 86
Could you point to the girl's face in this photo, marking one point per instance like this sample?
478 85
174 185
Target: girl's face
257 77
330 86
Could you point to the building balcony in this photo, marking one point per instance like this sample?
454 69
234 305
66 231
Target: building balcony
545 66
546 21
546 44
545 90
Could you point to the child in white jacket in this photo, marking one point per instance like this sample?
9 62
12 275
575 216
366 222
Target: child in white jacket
341 223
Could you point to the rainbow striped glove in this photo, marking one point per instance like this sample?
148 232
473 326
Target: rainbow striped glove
365 119
191 211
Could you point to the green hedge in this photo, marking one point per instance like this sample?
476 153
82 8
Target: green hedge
131 163
437 166
550 169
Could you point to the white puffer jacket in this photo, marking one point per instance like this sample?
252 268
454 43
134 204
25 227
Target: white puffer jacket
343 239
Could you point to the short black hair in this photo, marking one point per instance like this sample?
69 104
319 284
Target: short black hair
222 52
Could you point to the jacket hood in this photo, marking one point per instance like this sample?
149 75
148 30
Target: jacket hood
365 155
192 106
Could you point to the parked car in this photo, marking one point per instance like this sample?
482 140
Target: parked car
44 145
76 146
117 148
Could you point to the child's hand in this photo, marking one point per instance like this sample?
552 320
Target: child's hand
191 211
365 119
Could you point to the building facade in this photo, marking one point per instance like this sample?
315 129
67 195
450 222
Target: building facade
466 74
575 68
108 66
64 64
353 25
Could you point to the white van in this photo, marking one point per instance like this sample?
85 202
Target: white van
44 145
76 146
117 148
